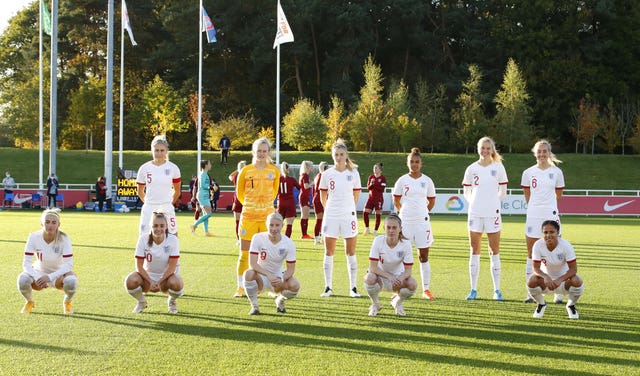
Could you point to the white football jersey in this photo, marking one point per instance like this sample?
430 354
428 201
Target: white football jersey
156 257
340 187
53 259
555 262
413 195
272 256
158 182
391 260
484 182
542 185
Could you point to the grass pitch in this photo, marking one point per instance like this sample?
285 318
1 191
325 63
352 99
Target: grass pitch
213 334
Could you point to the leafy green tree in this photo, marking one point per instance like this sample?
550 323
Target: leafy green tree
86 116
610 127
304 126
336 123
430 112
163 109
513 118
405 129
469 115
370 114
242 130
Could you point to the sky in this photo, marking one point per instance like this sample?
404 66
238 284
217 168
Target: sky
8 9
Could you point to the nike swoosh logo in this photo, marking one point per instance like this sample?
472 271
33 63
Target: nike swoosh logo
609 208
20 200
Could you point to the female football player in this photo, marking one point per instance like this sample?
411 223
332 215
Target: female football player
306 167
485 185
53 262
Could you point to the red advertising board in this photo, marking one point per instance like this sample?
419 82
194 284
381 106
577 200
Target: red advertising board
600 205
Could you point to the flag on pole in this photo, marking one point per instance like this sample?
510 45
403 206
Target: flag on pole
46 19
284 33
126 25
207 26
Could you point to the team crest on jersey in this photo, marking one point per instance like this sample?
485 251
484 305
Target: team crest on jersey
400 254
494 173
166 249
167 171
349 178
282 251
423 185
551 175
57 250
270 176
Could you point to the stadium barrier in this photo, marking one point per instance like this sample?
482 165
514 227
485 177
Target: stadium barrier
448 200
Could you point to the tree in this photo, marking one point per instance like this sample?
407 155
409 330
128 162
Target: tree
304 126
513 118
242 131
430 112
336 123
610 127
469 115
370 114
163 109
588 124
401 131
86 116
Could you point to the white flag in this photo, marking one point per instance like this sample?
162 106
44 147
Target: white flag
126 25
284 33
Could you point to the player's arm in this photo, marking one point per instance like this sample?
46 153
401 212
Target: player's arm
548 281
407 272
176 190
573 270
502 191
323 197
396 202
141 192
276 183
431 202
253 264
356 195
170 270
559 193
288 273
527 193
240 188
140 269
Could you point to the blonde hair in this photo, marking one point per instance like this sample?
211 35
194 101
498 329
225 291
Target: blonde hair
339 144
53 212
162 140
553 160
256 145
241 165
495 156
284 168
157 214
274 215
306 167
322 166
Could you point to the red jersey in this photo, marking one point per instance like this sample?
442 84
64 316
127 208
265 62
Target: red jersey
376 187
285 189
305 194
317 204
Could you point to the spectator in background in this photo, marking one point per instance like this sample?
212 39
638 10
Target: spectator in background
52 190
101 192
224 145
8 184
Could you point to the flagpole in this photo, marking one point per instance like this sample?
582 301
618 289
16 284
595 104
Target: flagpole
121 118
53 95
108 129
40 108
199 88
278 107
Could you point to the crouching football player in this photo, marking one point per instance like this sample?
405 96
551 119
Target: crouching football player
157 268
554 270
53 264
267 253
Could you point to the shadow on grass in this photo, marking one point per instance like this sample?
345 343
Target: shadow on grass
399 340
32 346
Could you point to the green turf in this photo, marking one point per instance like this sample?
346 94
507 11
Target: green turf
581 171
213 334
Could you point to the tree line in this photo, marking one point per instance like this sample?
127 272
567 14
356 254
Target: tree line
384 75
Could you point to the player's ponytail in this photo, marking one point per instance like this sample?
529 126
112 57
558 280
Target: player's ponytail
553 160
